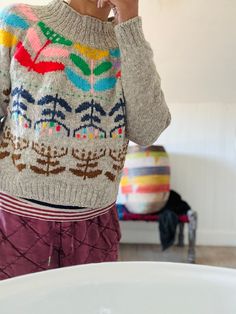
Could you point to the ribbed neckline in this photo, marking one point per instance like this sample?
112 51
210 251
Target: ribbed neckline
65 20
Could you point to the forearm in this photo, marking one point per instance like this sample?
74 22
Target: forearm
147 113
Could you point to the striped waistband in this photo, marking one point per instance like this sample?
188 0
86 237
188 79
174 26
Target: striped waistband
17 206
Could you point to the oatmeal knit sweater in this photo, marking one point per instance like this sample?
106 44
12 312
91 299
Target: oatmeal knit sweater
74 90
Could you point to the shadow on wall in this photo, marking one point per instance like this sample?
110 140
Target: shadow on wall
168 4
197 173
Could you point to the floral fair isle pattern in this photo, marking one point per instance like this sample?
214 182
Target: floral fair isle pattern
89 77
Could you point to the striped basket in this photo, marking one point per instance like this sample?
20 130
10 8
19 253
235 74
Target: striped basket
145 181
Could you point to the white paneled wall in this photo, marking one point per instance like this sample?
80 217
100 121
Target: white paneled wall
194 46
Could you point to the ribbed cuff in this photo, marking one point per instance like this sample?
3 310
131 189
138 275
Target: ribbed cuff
130 32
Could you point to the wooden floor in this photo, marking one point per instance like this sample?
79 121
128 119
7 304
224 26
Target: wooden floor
205 255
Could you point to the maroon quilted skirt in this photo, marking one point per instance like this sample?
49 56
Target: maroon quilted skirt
30 245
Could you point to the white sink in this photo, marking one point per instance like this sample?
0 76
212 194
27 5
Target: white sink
122 288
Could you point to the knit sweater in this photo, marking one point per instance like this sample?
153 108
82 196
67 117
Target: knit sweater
74 90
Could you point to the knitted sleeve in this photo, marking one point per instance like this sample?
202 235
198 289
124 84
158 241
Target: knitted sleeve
7 41
147 114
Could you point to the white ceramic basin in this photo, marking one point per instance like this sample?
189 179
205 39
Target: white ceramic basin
122 288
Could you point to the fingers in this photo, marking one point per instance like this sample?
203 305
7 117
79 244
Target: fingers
102 3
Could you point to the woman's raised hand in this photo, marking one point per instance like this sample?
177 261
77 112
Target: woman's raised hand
123 9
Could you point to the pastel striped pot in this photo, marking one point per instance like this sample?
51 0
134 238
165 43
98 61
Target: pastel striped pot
145 181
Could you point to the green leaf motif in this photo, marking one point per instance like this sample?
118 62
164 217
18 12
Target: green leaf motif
103 67
53 36
80 63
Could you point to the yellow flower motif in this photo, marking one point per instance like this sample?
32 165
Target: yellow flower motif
91 53
7 39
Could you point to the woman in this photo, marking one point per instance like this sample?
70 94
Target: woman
76 86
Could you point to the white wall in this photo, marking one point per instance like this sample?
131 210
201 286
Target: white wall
195 48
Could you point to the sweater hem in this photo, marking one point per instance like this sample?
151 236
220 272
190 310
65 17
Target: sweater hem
60 192
16 206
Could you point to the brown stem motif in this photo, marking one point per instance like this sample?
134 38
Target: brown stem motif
18 144
49 159
5 141
119 159
88 166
